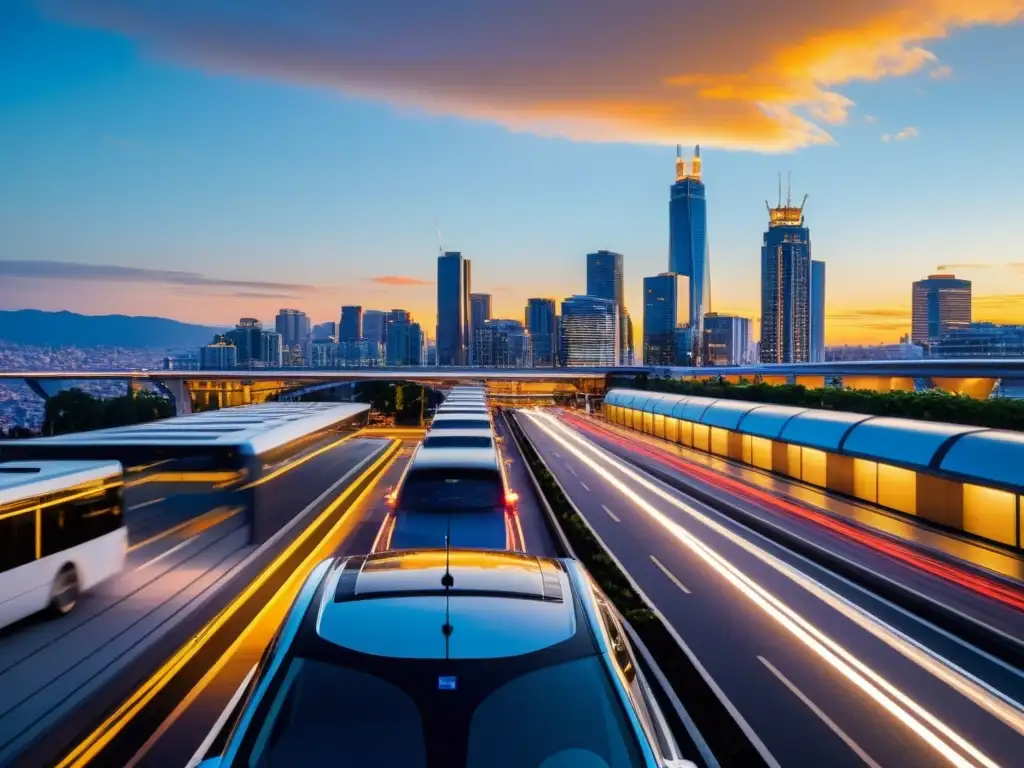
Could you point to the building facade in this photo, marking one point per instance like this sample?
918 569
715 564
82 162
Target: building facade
605 280
786 287
351 326
294 327
375 326
221 355
940 304
590 332
542 326
727 339
979 340
503 344
328 330
817 311
453 313
661 318
689 253
479 313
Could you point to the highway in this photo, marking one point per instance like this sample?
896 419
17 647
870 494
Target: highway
819 671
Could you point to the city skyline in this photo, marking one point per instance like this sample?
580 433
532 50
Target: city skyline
291 192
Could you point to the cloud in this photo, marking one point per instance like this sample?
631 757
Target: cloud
737 74
964 265
68 270
941 72
910 132
870 119
871 318
398 280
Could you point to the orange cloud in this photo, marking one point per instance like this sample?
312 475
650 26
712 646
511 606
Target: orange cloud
737 74
398 280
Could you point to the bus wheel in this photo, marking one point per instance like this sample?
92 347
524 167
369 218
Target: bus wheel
64 593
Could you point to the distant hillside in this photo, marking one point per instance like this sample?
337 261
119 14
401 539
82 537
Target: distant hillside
62 329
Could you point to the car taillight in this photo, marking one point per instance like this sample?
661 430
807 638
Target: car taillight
511 497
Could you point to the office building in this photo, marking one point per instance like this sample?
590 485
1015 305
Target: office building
406 344
689 254
479 309
361 353
351 326
324 353
605 281
855 352
979 340
661 318
502 344
542 327
786 286
590 332
375 326
271 349
221 355
325 331
940 304
726 339
181 363
247 337
453 314
817 311
294 327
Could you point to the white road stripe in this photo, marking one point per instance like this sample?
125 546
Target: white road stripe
821 715
611 514
669 573
585 486
197 758
170 551
149 503
571 470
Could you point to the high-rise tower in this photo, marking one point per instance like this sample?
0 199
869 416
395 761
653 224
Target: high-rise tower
941 303
688 253
786 285
453 317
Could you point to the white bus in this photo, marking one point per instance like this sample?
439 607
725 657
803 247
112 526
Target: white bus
61 532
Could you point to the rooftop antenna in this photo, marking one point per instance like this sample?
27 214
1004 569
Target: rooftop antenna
780 189
437 228
789 189
447 581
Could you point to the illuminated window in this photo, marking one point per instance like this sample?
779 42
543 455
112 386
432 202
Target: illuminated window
897 488
990 513
813 467
865 480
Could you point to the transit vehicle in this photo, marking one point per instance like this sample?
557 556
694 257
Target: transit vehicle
444 658
62 532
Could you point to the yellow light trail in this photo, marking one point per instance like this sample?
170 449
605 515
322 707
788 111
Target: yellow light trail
95 742
898 704
298 462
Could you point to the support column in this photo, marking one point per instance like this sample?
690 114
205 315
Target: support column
47 388
179 391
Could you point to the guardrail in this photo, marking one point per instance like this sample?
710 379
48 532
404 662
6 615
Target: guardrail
680 679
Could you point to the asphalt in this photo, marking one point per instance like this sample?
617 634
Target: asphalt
813 665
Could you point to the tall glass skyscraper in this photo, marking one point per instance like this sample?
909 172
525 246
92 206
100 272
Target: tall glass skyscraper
502 344
605 281
351 326
542 325
453 315
688 252
941 304
591 332
817 311
661 316
293 325
786 287
726 339
479 313
375 326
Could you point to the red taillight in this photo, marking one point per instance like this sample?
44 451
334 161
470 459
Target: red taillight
511 497
390 499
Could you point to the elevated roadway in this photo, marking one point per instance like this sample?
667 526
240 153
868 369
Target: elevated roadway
819 670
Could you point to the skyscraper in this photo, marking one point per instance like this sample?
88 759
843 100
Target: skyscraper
375 326
502 344
453 317
591 332
293 325
541 323
479 313
661 316
351 326
786 286
941 303
817 311
405 339
726 339
247 337
689 254
605 281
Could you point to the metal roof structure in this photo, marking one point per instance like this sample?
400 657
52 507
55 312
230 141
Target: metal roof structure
988 456
253 429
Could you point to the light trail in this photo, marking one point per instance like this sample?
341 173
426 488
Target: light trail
894 701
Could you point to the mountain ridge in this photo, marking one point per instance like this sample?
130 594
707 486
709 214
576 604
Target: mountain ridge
41 328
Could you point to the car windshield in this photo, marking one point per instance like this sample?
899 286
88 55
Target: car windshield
565 715
460 424
428 491
457 441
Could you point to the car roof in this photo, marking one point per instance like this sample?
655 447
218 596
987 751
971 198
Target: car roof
455 458
482 416
501 604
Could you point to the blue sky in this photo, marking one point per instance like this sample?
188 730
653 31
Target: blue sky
130 148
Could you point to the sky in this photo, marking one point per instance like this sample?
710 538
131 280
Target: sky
207 161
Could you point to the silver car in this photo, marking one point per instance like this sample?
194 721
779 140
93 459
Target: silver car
425 658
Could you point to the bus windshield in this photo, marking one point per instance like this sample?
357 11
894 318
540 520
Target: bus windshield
433 490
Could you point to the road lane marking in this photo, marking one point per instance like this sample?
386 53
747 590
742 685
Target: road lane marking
556 454
144 504
170 551
585 486
821 715
947 742
611 514
218 726
671 576
571 470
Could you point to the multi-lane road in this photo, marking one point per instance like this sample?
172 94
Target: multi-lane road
819 671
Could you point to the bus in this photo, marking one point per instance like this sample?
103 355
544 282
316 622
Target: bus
62 532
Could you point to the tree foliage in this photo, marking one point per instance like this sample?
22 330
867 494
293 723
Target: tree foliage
76 411
933 405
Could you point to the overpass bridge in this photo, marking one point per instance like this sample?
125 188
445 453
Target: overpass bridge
980 378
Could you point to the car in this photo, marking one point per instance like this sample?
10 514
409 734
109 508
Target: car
448 658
